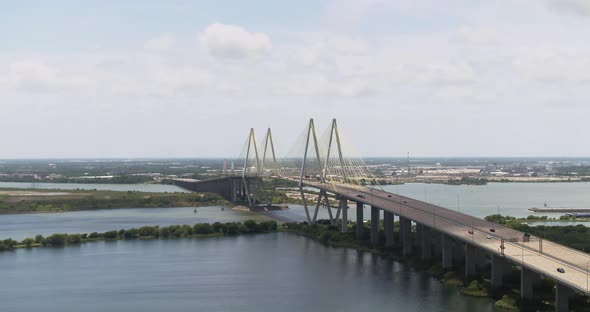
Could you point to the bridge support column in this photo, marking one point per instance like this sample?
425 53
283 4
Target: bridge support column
360 228
426 243
418 240
405 227
388 227
562 296
344 208
234 191
458 251
527 281
436 239
447 251
470 260
482 260
500 268
375 226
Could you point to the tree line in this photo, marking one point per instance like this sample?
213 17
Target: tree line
145 232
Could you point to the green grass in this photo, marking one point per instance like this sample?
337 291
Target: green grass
476 289
507 303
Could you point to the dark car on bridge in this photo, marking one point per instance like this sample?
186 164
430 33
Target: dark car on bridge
526 237
560 270
361 196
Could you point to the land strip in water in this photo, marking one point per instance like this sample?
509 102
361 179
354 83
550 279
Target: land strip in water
13 201
199 230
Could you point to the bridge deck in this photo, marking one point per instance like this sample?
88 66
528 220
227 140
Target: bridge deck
458 224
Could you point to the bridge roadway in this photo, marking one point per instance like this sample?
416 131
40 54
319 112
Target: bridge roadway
457 225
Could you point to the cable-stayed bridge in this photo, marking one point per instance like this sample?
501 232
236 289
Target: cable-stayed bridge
323 162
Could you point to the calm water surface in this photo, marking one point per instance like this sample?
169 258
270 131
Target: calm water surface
278 271
21 226
506 198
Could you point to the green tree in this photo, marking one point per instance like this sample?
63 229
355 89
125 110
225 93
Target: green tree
56 240
39 239
111 235
202 228
28 242
251 226
73 239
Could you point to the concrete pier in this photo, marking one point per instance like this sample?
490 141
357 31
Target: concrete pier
470 260
527 281
360 230
562 297
418 240
481 259
344 208
500 268
436 239
458 252
388 228
447 251
426 244
375 223
406 235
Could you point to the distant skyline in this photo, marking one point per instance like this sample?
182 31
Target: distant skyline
188 79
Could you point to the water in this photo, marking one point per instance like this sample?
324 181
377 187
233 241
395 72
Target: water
513 199
157 188
278 271
21 226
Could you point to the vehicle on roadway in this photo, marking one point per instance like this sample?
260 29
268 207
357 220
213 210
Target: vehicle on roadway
389 195
560 270
526 237
492 230
361 196
470 232
488 237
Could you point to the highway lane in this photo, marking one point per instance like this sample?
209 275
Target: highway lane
457 224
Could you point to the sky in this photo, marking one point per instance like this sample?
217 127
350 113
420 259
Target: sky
96 79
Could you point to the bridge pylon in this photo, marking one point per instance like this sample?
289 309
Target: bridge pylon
311 136
250 189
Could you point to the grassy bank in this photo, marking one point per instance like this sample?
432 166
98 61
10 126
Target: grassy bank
34 200
198 230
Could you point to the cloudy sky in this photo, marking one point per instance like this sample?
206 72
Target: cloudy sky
189 78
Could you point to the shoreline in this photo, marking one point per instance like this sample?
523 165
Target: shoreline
31 201
198 230
506 298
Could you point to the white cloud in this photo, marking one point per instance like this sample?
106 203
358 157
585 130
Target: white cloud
32 75
580 7
477 36
466 78
161 43
234 42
